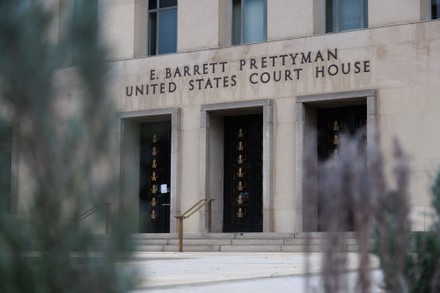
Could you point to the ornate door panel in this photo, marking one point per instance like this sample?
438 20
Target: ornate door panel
332 124
243 174
154 196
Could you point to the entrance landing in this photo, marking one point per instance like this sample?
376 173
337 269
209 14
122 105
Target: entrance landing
238 272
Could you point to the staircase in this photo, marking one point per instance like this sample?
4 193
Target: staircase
241 242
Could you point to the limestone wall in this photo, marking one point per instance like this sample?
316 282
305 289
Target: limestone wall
402 63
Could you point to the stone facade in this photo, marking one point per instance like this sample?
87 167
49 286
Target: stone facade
392 67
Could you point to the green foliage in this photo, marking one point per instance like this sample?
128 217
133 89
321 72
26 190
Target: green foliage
64 124
422 251
422 264
436 202
387 246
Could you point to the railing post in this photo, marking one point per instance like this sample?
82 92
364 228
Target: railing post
180 234
107 217
209 216
190 212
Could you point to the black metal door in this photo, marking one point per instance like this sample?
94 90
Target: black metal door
154 196
332 124
243 174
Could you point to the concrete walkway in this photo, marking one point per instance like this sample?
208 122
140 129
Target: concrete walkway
245 272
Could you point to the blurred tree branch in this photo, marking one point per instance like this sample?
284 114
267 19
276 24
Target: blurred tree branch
65 130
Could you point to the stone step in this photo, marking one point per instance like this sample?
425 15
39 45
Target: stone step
191 241
255 241
317 241
250 248
150 248
193 248
239 242
297 235
275 235
150 241
313 235
318 248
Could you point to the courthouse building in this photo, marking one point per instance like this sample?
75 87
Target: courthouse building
221 99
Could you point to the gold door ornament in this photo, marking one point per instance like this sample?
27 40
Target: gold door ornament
153 202
240 146
154 176
335 140
155 139
240 159
240 186
153 215
154 151
240 172
336 126
154 164
154 189
240 132
240 199
240 213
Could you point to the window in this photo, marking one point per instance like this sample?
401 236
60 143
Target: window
162 27
343 15
5 169
435 9
248 21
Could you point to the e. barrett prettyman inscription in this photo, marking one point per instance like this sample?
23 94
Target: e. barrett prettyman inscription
260 70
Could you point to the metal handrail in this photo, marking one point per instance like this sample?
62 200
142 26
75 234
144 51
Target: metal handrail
189 213
88 212
93 210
